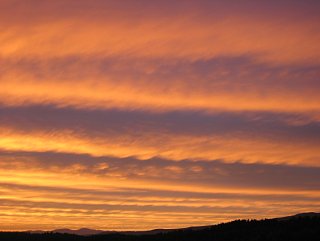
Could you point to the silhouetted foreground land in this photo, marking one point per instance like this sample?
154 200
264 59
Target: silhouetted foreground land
300 229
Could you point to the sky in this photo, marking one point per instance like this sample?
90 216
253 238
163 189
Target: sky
138 114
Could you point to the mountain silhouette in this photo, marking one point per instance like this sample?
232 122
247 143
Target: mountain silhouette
300 215
81 231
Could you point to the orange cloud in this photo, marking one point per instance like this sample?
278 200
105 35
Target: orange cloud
191 34
66 198
208 86
43 33
172 146
181 113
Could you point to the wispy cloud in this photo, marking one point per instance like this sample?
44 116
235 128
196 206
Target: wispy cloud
246 137
80 187
178 113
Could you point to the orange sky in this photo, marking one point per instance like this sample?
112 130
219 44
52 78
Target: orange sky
131 115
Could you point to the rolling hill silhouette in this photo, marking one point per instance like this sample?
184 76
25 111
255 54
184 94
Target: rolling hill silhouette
299 227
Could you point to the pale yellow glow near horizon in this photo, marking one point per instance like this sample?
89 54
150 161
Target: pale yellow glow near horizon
54 208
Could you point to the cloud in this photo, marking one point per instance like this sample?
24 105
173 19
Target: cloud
56 193
214 173
232 84
188 30
247 137
178 113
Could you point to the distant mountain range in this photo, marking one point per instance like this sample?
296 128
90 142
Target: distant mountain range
81 231
88 232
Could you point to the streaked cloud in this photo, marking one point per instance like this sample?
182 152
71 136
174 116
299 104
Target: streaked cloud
187 29
75 187
178 113
233 83
247 137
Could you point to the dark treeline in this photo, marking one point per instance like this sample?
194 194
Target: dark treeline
297 229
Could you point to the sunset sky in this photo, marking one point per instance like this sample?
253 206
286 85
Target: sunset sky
139 114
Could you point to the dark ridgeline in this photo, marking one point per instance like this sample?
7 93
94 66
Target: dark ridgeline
299 228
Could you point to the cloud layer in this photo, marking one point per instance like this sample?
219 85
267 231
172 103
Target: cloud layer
177 114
